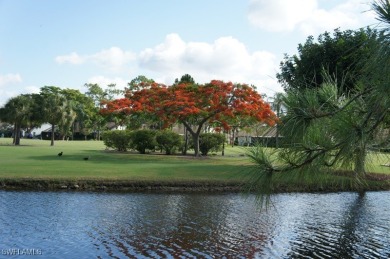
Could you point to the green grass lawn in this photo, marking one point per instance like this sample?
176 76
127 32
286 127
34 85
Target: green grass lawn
37 160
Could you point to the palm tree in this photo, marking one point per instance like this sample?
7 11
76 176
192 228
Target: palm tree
53 106
18 112
68 117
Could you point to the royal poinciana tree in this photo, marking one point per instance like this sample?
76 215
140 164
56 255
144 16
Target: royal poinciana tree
193 105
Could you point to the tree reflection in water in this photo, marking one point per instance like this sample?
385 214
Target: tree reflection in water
188 225
340 232
134 225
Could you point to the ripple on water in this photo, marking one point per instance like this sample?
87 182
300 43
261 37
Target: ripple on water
85 225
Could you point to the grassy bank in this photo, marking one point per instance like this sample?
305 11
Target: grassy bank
36 162
36 165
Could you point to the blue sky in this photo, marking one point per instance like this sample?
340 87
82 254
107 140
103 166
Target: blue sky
70 43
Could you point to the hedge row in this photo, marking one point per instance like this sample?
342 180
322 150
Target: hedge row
165 140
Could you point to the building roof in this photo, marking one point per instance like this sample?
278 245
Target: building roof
270 132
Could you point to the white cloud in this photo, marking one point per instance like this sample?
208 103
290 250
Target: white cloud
72 58
10 79
306 16
10 92
113 58
280 15
165 55
225 59
32 89
352 14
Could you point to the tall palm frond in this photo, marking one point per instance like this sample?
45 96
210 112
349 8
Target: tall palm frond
382 9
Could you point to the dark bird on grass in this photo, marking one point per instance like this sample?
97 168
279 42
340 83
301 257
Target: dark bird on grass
60 154
86 158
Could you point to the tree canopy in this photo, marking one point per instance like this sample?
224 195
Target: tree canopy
54 105
185 79
331 124
56 109
342 55
193 105
18 111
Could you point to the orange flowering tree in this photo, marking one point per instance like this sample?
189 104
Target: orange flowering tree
193 105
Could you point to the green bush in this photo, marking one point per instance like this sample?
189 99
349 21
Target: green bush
169 141
210 142
143 140
117 139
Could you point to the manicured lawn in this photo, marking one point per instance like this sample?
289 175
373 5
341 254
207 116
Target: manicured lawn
37 159
376 161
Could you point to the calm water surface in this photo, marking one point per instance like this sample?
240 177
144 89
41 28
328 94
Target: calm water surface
147 225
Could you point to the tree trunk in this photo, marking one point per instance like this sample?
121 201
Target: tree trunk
360 159
52 135
233 136
195 134
73 127
195 139
17 134
223 144
184 152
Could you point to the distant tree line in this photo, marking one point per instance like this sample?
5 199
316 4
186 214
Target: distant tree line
216 106
64 109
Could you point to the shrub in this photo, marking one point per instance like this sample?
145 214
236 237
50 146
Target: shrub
117 139
210 142
169 141
143 140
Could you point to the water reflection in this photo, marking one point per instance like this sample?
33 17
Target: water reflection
93 225
339 228
329 231
184 225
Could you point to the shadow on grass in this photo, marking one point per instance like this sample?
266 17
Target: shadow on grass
89 156
93 158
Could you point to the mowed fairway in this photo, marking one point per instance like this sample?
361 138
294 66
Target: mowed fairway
36 159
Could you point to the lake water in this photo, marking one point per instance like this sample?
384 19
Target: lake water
151 225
